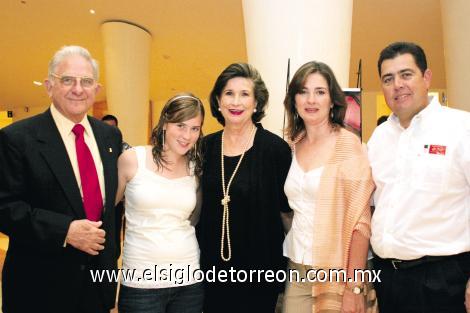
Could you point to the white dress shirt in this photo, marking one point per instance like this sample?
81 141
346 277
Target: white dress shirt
301 190
422 174
65 126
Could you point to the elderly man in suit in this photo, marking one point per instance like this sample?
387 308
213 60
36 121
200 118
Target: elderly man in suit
57 190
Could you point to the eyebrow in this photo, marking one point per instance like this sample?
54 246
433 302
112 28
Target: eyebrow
316 88
187 124
75 76
228 89
399 72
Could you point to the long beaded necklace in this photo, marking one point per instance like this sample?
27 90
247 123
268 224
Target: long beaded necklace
226 199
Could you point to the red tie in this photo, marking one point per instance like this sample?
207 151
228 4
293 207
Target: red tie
92 200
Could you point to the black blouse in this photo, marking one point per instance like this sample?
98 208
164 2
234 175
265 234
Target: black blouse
256 200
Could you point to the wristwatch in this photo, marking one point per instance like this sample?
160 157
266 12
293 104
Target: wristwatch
356 289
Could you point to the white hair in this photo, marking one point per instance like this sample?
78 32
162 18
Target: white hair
67 51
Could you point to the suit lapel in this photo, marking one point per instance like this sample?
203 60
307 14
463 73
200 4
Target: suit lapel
54 152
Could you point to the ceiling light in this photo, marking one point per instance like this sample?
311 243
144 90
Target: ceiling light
37 83
92 11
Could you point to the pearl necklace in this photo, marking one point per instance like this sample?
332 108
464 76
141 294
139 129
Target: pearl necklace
226 199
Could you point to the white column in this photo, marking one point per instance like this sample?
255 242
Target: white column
302 30
127 68
456 29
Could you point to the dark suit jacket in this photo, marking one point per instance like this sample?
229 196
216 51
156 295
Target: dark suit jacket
39 198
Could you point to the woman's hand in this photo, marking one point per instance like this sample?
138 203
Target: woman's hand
286 218
353 303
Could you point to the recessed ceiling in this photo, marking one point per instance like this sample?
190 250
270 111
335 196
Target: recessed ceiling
192 41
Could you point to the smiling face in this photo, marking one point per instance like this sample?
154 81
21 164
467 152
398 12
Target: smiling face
313 101
181 137
405 87
237 101
72 101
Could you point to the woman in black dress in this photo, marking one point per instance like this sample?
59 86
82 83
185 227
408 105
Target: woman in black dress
245 167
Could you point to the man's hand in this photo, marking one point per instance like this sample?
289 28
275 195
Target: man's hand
467 297
86 236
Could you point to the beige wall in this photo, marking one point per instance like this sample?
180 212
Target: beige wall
456 28
369 114
379 23
20 113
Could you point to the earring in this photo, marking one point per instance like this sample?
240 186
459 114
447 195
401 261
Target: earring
219 109
192 154
254 111
296 115
163 140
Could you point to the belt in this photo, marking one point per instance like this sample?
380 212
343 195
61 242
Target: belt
404 264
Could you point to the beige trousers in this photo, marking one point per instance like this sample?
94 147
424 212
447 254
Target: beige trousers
298 296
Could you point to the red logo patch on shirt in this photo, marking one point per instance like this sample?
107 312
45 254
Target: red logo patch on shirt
437 149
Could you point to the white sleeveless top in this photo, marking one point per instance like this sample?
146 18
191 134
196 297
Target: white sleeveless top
160 245
301 190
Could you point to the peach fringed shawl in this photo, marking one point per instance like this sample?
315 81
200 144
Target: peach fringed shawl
342 207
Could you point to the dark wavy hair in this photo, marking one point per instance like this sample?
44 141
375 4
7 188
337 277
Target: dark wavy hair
180 108
295 124
259 89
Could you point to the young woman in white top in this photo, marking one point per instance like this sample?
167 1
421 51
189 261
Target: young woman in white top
160 184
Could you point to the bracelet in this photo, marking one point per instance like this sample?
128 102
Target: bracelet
355 289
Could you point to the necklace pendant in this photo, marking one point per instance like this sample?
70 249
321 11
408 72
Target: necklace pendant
225 200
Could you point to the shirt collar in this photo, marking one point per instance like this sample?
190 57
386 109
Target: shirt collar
65 125
431 107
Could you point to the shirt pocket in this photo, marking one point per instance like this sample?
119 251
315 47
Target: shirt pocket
429 172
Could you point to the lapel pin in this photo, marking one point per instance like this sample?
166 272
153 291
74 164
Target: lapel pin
110 149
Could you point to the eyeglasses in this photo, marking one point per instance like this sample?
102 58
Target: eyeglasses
68 81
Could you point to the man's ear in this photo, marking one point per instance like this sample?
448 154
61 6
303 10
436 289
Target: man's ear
48 85
427 78
97 88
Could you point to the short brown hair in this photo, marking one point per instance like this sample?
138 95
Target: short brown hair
259 89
